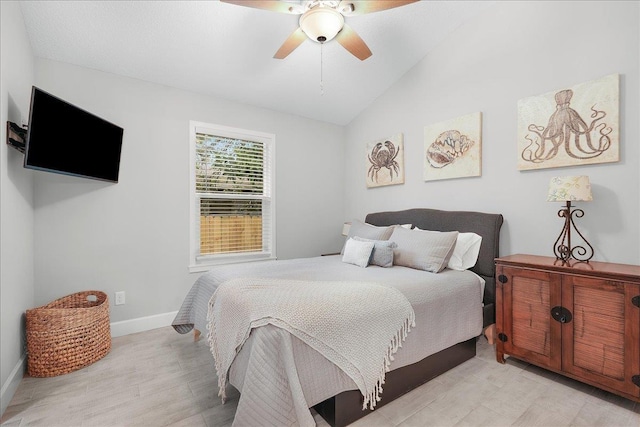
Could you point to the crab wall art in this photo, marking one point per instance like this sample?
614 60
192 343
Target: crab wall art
385 161
452 149
571 126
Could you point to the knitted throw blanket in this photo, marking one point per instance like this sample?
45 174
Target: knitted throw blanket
356 325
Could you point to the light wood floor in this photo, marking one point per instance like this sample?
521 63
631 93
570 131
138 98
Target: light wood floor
162 378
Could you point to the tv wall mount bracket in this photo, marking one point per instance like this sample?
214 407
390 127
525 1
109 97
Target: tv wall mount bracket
16 136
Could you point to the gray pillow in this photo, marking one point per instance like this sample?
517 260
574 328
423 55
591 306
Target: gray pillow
368 231
357 253
423 250
382 254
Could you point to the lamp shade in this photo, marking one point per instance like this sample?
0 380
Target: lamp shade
572 188
345 228
321 24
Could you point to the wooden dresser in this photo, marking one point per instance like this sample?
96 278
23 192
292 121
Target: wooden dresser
579 319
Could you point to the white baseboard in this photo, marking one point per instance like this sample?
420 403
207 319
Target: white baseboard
141 324
11 385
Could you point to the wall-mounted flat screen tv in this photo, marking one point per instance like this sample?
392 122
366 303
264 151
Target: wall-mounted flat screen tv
66 139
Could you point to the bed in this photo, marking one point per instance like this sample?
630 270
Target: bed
451 310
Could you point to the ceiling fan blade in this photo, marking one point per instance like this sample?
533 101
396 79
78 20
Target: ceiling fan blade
360 7
351 41
293 41
272 5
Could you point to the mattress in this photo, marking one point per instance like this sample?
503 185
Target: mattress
447 305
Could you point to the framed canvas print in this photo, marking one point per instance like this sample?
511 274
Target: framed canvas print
573 126
452 148
385 161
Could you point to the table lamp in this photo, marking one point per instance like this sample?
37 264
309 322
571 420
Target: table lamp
570 189
345 228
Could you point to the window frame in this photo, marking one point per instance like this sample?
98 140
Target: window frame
197 262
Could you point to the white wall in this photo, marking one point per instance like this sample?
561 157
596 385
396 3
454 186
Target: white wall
512 51
16 201
133 236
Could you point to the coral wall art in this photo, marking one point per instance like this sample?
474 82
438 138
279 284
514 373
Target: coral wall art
385 161
572 126
452 149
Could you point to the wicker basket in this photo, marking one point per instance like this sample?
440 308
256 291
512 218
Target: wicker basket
68 334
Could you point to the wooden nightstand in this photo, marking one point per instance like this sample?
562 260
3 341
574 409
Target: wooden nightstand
579 319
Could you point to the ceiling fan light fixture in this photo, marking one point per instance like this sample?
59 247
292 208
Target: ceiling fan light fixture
347 8
321 24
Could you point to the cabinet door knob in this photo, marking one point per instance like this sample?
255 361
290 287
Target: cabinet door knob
561 314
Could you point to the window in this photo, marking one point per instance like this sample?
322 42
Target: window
232 207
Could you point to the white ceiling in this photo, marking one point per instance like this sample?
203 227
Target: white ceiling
227 51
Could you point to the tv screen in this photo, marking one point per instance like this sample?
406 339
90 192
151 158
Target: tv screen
63 138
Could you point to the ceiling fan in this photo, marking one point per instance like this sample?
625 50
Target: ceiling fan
323 20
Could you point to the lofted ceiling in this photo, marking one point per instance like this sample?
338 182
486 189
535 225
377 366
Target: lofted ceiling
227 51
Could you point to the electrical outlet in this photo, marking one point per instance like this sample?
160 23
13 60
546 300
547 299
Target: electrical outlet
120 298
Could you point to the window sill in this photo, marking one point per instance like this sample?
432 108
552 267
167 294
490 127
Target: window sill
207 263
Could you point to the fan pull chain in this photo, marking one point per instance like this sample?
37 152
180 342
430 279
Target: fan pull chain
321 81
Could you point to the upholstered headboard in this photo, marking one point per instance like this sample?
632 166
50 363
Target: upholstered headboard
485 224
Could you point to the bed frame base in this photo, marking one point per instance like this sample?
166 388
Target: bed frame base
346 407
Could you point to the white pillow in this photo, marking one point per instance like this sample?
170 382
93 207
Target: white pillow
382 254
465 254
357 252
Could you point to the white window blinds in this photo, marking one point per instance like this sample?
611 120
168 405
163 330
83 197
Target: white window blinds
232 185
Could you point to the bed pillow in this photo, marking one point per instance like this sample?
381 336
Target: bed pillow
465 254
423 250
357 252
368 231
382 254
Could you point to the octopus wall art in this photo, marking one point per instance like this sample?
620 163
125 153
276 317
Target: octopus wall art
385 161
573 126
453 148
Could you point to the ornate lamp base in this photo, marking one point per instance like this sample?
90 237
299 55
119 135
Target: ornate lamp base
562 247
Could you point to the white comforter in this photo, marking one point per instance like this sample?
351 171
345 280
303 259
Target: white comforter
447 305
